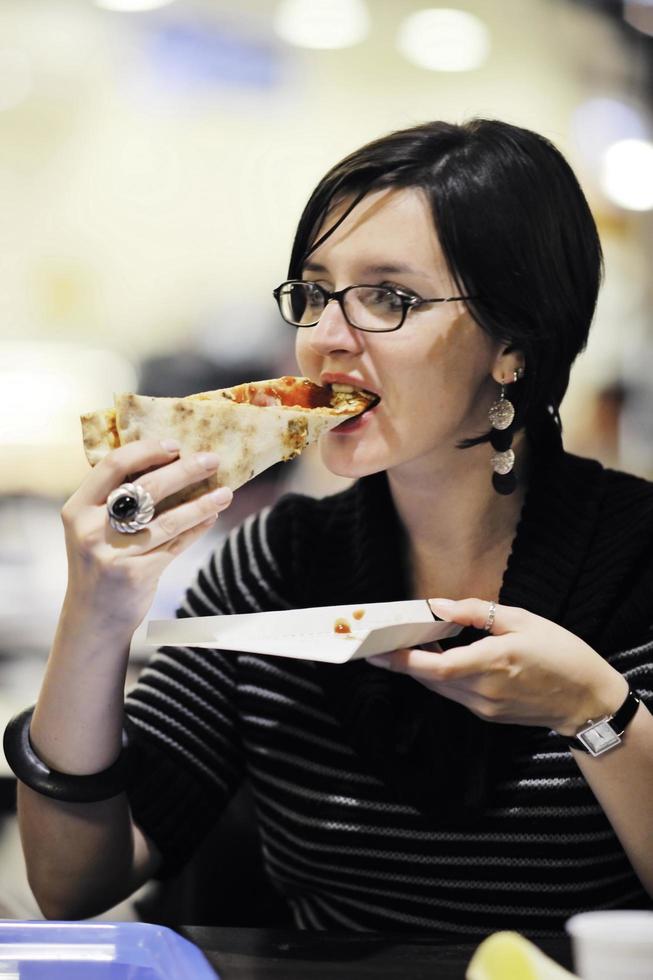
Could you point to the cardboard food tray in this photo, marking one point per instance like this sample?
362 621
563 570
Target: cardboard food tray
102 951
331 634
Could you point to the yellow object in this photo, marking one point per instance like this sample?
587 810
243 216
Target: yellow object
509 956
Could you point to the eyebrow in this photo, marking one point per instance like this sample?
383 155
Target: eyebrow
376 270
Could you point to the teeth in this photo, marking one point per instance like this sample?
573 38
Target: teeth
342 388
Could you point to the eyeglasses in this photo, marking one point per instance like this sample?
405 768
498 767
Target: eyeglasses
372 308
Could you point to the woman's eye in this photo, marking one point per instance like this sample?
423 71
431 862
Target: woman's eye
313 295
386 298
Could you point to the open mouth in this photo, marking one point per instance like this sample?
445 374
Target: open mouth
346 397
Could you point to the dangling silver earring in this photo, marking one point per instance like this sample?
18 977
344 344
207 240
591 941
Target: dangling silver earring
502 412
501 416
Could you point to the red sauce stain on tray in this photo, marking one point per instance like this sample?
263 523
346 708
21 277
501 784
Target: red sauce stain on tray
341 626
358 613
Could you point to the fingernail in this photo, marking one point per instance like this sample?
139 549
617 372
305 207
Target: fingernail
440 607
208 460
221 496
170 445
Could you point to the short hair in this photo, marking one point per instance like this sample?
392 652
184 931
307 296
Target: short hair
515 228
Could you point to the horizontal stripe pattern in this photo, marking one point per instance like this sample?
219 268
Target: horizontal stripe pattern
335 843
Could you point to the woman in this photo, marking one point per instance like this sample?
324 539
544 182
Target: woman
453 270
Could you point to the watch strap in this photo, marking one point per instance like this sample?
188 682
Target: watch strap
600 736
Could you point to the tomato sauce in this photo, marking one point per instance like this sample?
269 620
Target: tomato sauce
289 392
341 626
303 394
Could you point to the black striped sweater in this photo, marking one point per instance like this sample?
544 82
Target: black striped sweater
381 805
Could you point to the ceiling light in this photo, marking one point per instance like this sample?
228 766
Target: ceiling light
132 6
627 174
322 23
442 39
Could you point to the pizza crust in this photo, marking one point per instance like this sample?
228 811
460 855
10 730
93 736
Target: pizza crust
100 434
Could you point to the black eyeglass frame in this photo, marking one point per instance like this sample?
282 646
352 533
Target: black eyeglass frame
408 302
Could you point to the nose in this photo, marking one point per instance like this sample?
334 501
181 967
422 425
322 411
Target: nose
333 333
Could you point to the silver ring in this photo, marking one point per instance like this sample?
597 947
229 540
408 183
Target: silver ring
130 507
489 622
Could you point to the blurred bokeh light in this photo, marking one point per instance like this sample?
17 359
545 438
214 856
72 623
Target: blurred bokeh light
132 6
626 175
442 39
322 23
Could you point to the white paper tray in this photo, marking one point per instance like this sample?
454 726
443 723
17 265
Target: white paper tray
310 634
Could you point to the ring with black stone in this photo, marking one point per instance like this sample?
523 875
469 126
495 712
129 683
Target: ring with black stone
130 507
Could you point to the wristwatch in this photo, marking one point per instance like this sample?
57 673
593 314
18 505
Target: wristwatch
605 734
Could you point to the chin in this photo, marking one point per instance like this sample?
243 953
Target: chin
350 462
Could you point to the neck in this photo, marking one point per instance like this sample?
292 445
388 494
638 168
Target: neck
459 529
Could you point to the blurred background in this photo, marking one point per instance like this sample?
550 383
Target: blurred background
154 159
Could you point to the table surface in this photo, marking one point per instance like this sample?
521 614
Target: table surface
254 954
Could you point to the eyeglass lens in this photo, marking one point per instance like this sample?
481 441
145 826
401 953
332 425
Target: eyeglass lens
367 307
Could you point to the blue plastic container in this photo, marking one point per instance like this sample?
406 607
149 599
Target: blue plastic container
98 951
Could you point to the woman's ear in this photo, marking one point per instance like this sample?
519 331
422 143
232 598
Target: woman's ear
508 363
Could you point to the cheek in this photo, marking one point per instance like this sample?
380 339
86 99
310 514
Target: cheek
303 352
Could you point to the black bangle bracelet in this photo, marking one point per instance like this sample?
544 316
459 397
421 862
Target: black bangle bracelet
67 788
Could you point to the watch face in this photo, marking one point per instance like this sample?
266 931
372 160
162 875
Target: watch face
599 738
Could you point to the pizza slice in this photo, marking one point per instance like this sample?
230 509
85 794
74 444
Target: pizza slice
250 426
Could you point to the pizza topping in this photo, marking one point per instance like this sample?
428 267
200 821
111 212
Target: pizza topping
346 398
287 392
290 392
295 438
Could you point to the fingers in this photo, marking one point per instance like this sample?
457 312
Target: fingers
85 518
116 467
179 474
415 662
477 613
171 524
166 480
452 665
468 685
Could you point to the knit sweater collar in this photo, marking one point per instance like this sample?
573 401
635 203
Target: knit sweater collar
575 518
552 538
554 535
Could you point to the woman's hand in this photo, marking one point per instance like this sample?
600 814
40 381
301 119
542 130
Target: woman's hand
112 577
529 671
